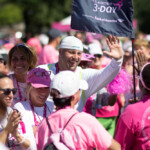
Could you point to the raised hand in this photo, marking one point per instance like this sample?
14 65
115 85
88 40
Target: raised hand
140 59
115 47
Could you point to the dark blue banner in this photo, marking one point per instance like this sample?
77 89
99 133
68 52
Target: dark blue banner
108 17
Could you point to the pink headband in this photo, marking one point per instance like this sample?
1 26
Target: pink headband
141 78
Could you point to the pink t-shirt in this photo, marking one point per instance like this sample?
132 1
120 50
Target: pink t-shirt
48 55
86 132
109 111
133 127
105 61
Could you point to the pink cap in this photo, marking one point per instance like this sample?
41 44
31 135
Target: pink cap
34 42
39 78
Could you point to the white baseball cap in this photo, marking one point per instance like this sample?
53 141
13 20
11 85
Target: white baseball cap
71 42
95 48
68 83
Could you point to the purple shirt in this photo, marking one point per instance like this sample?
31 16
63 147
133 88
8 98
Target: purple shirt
133 127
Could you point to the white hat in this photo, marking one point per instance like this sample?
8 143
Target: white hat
95 48
68 83
71 42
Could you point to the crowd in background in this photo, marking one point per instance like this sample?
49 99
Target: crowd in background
27 65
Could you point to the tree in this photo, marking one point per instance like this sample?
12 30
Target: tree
10 14
142 13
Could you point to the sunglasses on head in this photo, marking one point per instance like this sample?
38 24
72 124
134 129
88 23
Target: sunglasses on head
8 91
42 74
98 55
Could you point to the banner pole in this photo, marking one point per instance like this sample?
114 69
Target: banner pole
134 87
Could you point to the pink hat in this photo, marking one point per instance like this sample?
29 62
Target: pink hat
35 43
39 78
87 57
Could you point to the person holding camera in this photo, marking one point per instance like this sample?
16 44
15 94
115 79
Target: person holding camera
10 120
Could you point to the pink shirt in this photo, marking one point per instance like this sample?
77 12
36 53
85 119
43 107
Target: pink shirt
133 127
48 55
109 111
85 134
105 61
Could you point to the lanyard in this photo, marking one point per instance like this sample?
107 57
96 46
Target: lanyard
44 113
20 98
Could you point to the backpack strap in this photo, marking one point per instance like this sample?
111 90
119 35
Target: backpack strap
48 124
69 120
64 125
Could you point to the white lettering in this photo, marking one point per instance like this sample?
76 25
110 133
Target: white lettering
102 9
114 9
108 9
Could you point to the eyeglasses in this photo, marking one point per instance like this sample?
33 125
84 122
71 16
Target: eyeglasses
44 74
88 56
8 91
41 74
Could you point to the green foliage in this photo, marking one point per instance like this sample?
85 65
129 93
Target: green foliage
41 13
35 13
10 14
142 13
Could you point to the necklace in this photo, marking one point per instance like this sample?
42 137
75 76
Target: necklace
34 114
20 98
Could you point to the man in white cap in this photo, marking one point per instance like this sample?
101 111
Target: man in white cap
70 51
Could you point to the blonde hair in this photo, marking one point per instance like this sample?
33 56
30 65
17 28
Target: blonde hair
141 42
29 88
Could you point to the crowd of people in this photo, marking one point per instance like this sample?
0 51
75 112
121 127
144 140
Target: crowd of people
75 92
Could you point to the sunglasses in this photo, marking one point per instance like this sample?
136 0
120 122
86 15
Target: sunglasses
8 91
41 74
98 55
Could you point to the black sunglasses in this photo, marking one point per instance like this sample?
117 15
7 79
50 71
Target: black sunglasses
8 91
98 55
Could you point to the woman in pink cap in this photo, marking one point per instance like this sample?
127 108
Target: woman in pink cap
36 107
68 129
21 59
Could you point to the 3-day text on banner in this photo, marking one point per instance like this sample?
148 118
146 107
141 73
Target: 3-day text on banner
103 16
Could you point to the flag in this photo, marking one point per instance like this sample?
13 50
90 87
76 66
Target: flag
108 17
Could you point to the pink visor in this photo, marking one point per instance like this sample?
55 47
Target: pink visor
87 57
